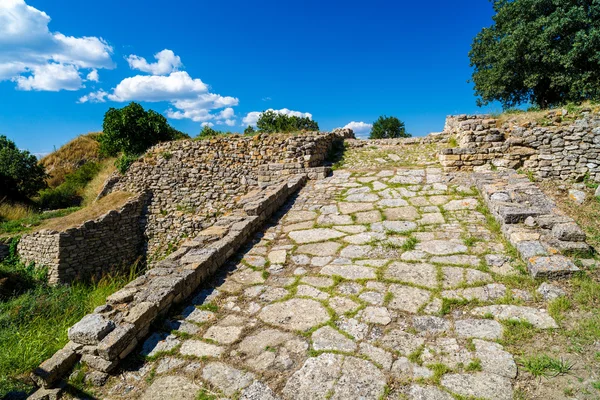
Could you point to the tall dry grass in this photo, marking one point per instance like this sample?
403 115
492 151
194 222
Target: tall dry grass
14 211
92 189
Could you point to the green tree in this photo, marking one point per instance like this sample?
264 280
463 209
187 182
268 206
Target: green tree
388 128
131 130
271 122
545 52
208 132
249 130
20 174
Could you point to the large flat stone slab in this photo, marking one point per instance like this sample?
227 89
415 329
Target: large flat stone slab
316 378
479 385
418 273
172 387
553 267
407 298
538 318
295 314
315 235
349 271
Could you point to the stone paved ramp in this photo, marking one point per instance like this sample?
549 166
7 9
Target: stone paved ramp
347 296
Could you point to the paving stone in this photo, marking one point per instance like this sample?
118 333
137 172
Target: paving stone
342 305
301 259
353 229
171 387
300 216
394 226
320 249
550 292
317 281
183 327
441 247
401 214
376 315
414 255
538 318
400 341
430 324
392 203
492 291
223 334
349 271
418 273
494 359
315 235
278 257
360 379
457 259
418 392
349 288
320 261
330 209
431 219
351 208
227 379
353 327
364 238
355 251
248 277
373 298
309 291
258 391
295 314
257 343
168 363
367 217
408 298
298 226
404 369
333 219
463 204
327 338
480 384
478 328
256 261
362 197
316 378
448 351
159 343
199 316
200 349
273 294
378 355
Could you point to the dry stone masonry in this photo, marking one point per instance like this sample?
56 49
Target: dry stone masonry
92 249
557 147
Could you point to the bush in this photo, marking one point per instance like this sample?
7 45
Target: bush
249 130
124 162
388 128
69 193
207 132
271 122
20 175
132 130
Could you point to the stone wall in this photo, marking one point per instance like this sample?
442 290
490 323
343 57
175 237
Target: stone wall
559 146
102 339
194 182
91 249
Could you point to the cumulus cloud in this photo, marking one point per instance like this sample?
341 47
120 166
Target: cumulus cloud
359 128
38 59
93 76
166 62
252 117
189 97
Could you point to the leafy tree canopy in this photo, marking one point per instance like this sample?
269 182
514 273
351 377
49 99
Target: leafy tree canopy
132 130
20 174
545 52
271 122
388 128
249 130
208 132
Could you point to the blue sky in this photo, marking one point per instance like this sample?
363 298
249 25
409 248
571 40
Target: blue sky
63 63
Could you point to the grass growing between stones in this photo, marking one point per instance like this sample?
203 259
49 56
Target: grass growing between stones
33 325
544 365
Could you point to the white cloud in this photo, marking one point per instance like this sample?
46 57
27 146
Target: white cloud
252 117
93 76
209 124
176 86
166 63
230 122
94 97
359 128
52 78
30 53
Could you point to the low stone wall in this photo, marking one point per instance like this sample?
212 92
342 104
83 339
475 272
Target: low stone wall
532 223
102 339
558 147
194 181
95 247
438 137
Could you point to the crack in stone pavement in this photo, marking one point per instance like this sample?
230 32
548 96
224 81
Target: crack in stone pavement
345 295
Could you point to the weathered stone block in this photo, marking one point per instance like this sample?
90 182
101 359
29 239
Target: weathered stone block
552 267
115 342
99 363
141 314
570 232
55 367
91 329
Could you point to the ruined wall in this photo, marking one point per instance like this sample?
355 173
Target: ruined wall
193 182
95 247
558 146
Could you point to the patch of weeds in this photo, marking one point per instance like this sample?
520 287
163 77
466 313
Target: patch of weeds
452 142
516 331
266 274
415 356
166 155
558 306
204 394
448 305
208 307
389 296
438 371
410 244
488 315
474 366
545 365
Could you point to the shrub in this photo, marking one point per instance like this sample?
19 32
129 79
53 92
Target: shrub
132 130
69 193
20 174
208 132
388 128
124 162
271 122
249 130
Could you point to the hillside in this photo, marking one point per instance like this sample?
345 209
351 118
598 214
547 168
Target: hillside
70 157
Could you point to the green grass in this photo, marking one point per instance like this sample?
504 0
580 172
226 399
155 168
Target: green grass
33 325
544 365
410 244
33 220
